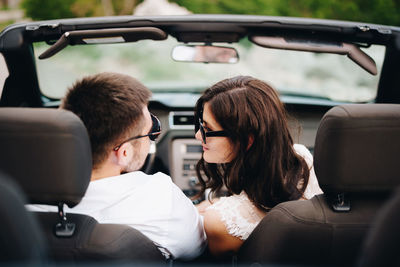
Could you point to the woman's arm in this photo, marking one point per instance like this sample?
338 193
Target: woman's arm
202 206
220 242
312 188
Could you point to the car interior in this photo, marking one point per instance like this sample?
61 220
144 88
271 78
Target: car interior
337 79
330 227
21 237
58 139
380 245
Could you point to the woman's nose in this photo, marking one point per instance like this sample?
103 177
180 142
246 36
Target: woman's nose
198 135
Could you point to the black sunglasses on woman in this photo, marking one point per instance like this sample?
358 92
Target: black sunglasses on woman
205 134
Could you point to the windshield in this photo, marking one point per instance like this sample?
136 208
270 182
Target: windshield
327 76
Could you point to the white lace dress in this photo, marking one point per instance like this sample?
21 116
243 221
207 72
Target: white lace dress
239 214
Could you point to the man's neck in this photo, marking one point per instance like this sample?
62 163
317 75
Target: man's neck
104 171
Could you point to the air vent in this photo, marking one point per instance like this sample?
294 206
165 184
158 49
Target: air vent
181 120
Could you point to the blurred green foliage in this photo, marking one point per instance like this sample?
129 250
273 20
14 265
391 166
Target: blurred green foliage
373 11
55 9
4 24
47 9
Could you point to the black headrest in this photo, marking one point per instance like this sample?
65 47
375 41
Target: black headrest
357 148
47 151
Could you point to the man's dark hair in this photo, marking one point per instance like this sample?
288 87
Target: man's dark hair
111 107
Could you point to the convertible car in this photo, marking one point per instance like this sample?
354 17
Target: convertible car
338 80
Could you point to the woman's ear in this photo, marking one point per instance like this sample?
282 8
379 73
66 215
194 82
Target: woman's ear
250 142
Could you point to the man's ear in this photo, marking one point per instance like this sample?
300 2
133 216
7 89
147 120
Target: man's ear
251 140
124 154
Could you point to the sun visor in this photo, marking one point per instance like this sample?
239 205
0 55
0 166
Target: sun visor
104 36
351 50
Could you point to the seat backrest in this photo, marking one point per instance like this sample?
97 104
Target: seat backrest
47 152
21 240
381 245
355 160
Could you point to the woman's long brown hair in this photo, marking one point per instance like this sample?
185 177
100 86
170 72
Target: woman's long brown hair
269 171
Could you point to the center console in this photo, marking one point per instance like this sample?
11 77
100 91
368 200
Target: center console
186 153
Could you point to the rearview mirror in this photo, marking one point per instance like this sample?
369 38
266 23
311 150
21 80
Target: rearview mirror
205 54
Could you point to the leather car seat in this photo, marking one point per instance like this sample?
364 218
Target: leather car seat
356 162
21 240
381 246
47 152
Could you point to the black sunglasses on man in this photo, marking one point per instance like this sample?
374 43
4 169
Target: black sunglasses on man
153 134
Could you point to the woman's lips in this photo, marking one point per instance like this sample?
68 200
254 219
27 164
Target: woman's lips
205 148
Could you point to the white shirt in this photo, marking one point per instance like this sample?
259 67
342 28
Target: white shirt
152 204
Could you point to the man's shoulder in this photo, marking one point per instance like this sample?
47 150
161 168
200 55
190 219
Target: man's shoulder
136 179
139 175
156 180
158 177
163 182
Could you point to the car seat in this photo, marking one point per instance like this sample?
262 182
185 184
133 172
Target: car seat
47 152
21 240
381 246
356 162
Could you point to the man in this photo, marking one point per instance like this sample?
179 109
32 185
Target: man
113 108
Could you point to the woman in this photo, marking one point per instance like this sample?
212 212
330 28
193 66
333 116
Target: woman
248 150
